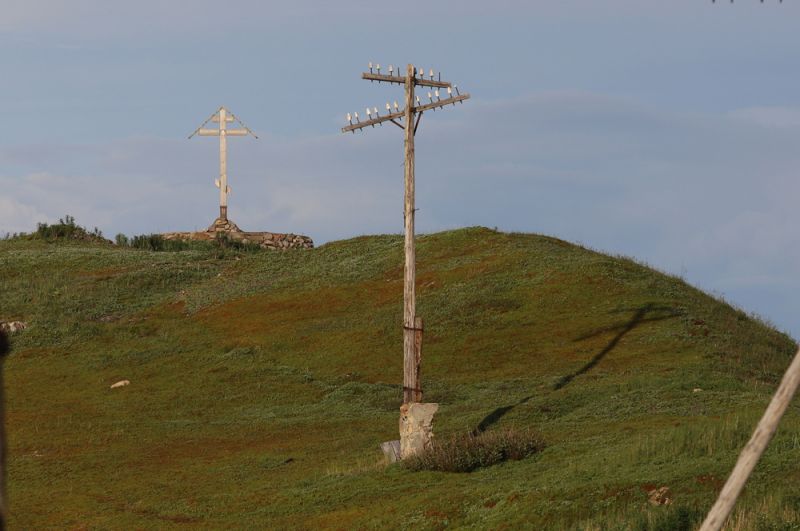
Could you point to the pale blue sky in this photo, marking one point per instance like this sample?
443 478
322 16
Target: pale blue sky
667 131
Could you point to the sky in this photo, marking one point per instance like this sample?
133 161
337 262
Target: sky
664 131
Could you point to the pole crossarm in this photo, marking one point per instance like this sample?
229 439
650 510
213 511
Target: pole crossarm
395 115
373 122
441 103
401 80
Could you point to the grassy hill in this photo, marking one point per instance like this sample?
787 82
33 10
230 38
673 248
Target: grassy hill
262 384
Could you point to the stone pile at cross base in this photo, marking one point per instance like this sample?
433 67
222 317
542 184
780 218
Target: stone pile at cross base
226 227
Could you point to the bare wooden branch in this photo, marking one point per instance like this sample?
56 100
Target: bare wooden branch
401 80
755 448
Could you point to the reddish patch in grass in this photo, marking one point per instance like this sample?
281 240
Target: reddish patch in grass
126 507
104 273
343 519
648 487
616 492
253 315
216 448
174 518
710 480
35 353
435 513
439 519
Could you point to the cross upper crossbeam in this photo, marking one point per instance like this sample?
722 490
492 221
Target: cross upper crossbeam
228 132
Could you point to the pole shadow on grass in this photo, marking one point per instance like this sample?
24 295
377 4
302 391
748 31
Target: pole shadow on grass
644 314
496 415
640 316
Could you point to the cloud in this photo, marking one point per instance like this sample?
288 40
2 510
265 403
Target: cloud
788 117
16 216
711 195
93 18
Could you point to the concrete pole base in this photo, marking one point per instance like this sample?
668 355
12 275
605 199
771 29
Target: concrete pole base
391 449
416 427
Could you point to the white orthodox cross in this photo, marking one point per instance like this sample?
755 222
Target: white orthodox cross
223 117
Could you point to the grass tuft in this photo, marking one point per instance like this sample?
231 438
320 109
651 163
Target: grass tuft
157 243
670 519
465 453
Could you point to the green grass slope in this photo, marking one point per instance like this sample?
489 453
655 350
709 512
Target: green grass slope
262 384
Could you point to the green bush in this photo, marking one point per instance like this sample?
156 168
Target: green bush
221 245
65 229
226 242
465 453
148 242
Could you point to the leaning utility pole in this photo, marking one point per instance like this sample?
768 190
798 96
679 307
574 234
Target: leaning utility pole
410 115
223 116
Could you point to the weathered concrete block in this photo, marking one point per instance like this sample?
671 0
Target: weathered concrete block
391 449
416 427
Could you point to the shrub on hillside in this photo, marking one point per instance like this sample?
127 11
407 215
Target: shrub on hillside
148 242
226 242
156 242
65 229
468 452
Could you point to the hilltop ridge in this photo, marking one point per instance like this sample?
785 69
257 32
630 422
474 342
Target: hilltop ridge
262 383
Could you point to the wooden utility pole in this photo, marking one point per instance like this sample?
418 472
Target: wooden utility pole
411 382
223 117
754 448
410 115
4 349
